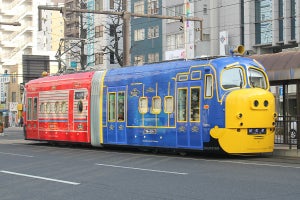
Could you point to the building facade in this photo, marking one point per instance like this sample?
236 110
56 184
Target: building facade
146 33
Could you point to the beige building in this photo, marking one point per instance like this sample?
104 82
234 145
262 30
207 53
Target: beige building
16 41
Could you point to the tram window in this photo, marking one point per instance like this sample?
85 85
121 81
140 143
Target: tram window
169 104
52 107
80 106
48 107
79 95
63 107
182 104
208 85
121 106
111 106
232 78
143 105
35 106
29 107
42 108
57 107
195 105
196 75
156 105
257 79
183 77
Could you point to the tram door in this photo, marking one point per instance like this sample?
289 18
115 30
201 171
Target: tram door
116 125
189 128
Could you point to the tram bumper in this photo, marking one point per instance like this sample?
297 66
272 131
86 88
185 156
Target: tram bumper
249 122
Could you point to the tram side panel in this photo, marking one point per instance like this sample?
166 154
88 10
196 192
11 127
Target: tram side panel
58 109
150 109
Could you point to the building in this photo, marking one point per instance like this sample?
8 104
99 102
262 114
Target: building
16 41
146 33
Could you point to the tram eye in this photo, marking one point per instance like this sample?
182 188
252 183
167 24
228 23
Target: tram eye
266 103
256 103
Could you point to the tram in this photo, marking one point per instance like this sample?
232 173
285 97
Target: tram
221 104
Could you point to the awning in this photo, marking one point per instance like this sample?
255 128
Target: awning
281 66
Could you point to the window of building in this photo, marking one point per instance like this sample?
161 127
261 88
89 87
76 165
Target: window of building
139 60
280 19
98 31
143 105
168 104
13 96
175 41
99 58
139 7
139 34
153 32
205 9
173 11
293 19
153 57
111 4
98 4
263 21
153 7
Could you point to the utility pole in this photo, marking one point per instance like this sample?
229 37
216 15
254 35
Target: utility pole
126 21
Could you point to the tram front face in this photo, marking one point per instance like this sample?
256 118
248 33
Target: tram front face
249 111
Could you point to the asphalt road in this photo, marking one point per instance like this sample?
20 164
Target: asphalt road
37 170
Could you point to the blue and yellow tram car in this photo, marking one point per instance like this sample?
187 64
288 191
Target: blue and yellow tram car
204 104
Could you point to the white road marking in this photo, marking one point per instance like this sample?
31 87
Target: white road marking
150 170
14 154
255 163
39 177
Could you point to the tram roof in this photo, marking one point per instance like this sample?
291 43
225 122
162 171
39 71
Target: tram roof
281 66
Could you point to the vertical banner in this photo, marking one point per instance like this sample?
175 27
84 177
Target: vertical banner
223 38
90 34
189 31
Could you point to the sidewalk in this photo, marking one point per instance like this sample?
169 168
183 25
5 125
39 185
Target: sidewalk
286 150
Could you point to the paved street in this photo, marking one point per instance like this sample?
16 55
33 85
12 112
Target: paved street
37 170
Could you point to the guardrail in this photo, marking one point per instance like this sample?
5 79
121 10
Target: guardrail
286 130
